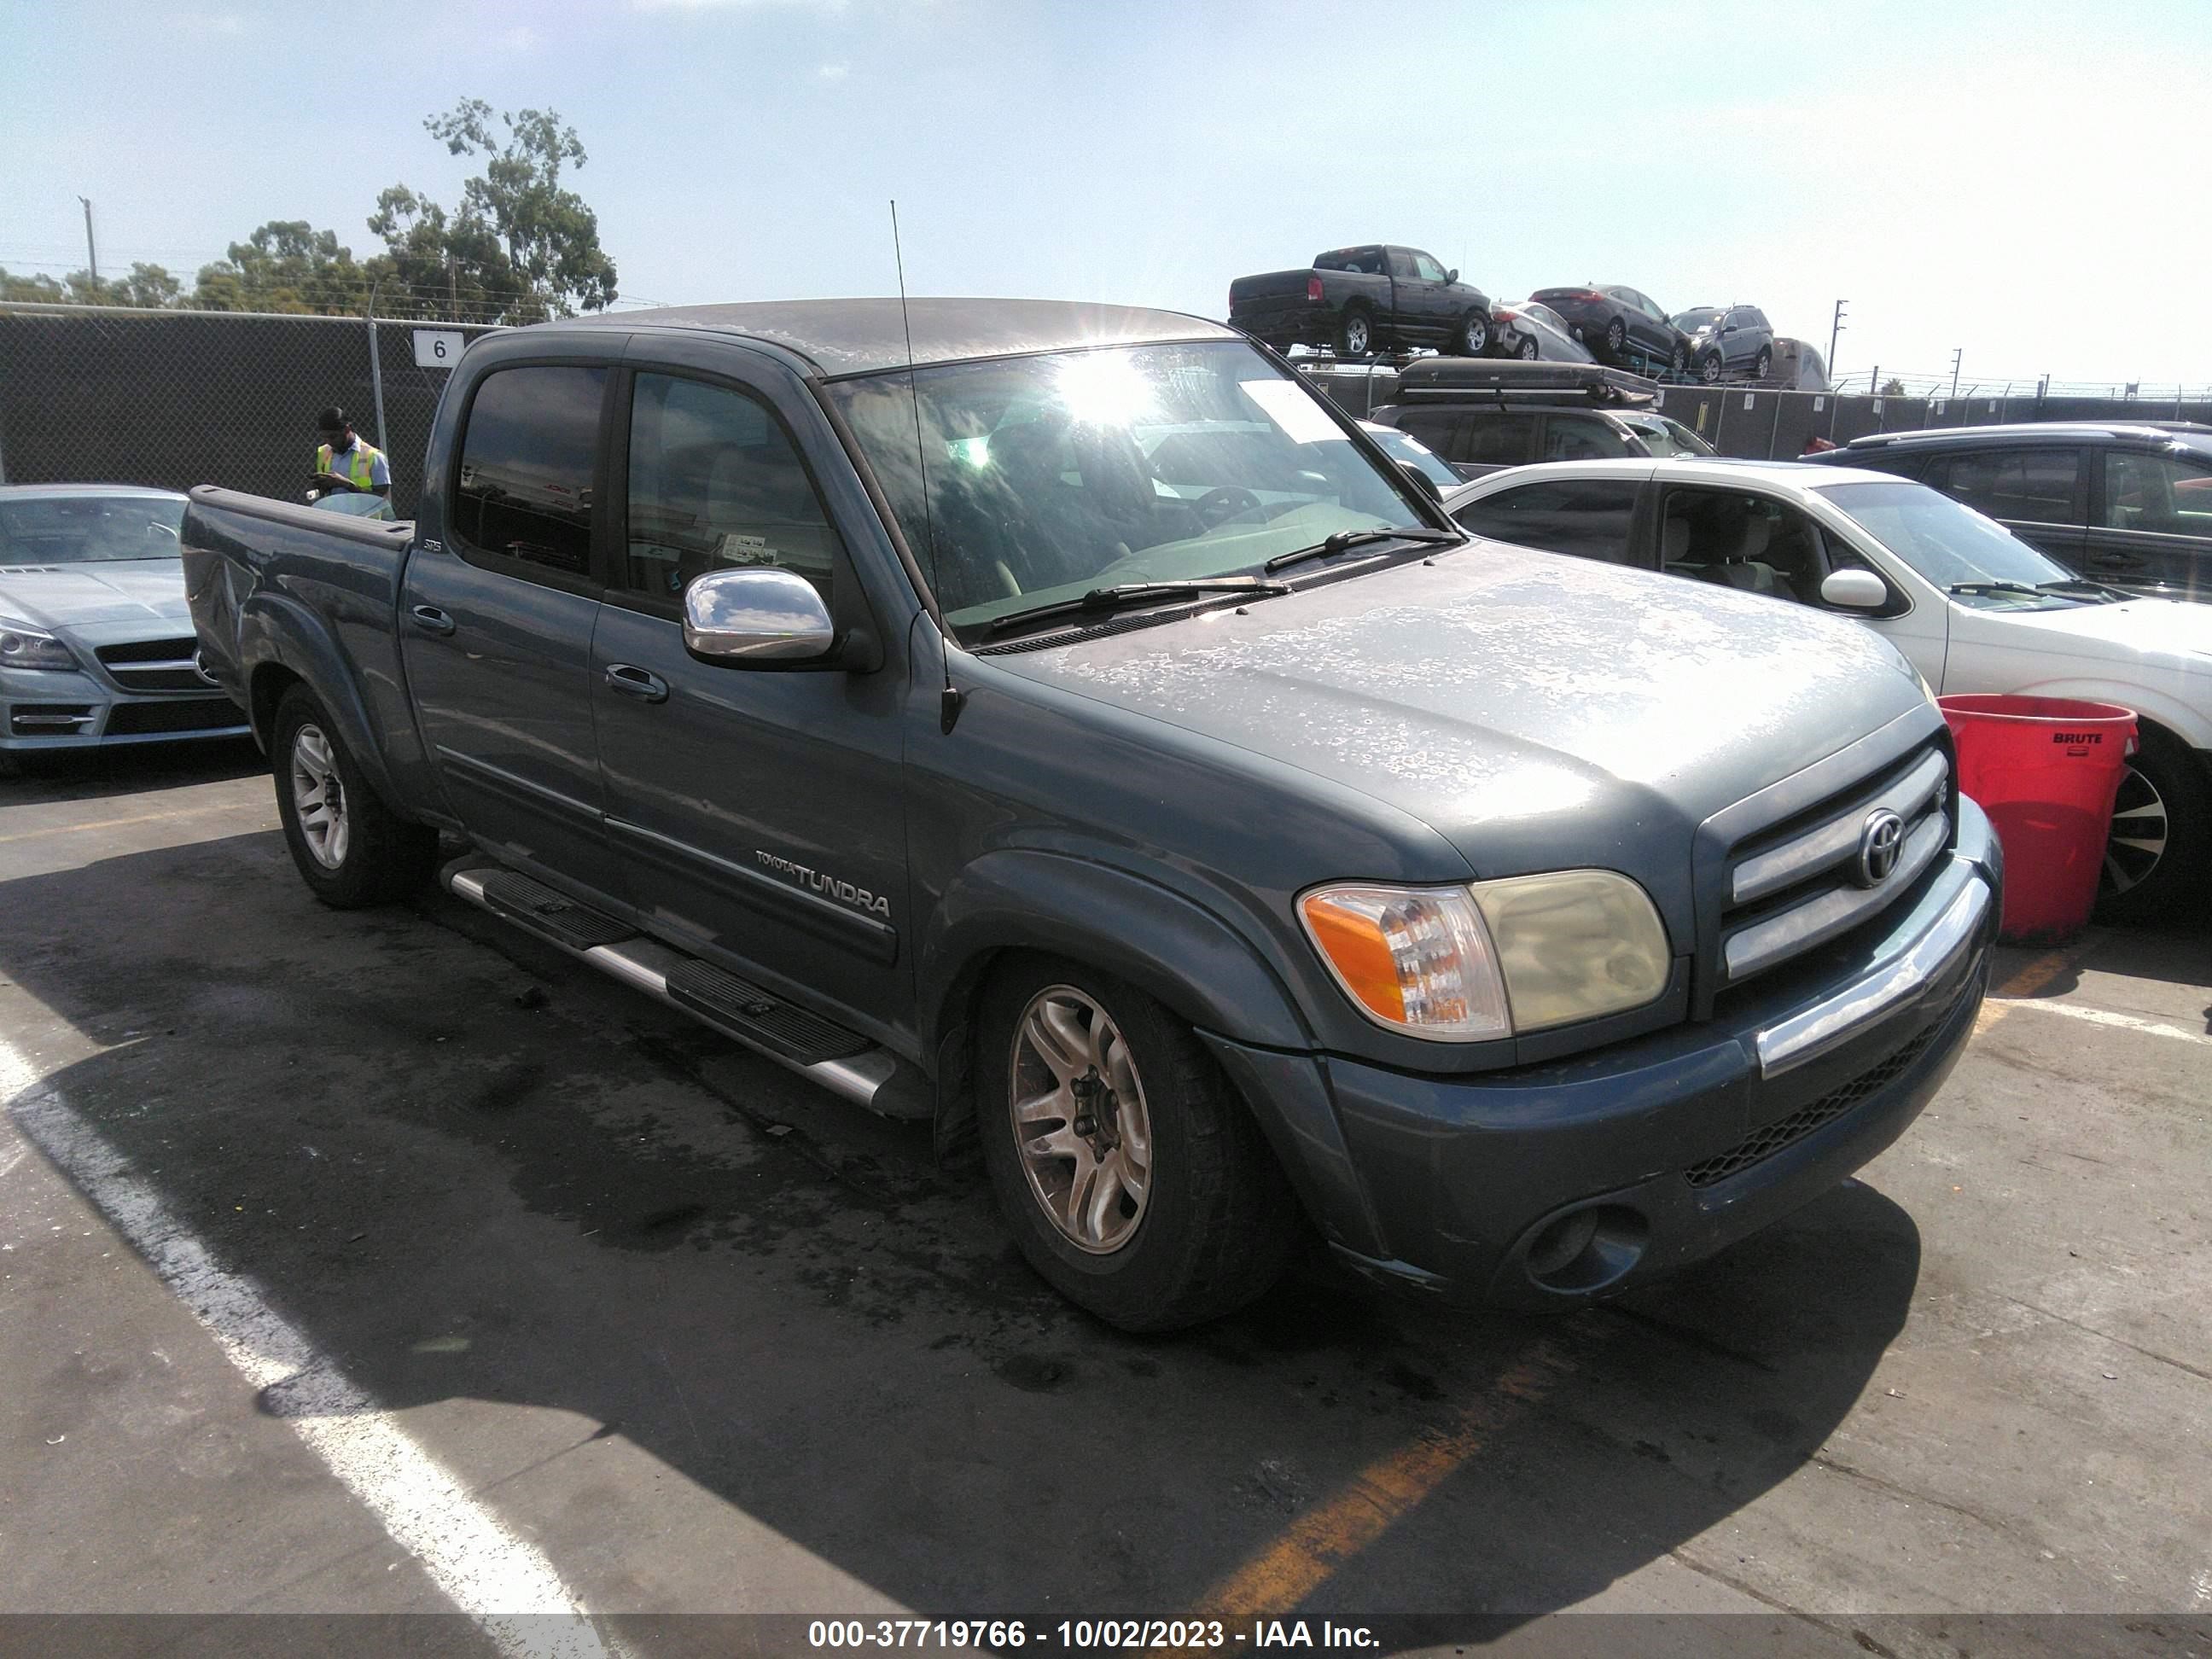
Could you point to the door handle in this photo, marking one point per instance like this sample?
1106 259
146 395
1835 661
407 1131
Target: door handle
633 681
431 620
2111 558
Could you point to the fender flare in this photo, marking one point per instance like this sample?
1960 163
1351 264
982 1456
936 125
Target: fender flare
1169 946
277 631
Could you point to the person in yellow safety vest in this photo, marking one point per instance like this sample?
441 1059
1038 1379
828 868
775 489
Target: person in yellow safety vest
344 457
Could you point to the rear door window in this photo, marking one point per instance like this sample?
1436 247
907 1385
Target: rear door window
1438 429
1587 518
528 461
1504 439
1581 438
2161 493
2038 486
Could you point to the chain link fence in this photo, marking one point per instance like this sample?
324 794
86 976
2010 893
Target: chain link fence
95 394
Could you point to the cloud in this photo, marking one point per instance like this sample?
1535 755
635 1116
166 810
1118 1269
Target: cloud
835 71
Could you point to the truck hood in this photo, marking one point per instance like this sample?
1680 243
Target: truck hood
103 596
1538 711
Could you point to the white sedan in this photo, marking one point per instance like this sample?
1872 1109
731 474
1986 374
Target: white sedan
1975 609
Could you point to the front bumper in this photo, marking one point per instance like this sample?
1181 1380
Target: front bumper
44 711
1576 1180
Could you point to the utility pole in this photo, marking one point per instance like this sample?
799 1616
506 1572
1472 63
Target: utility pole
1958 353
1834 329
91 252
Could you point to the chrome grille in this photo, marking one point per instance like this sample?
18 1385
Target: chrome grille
1796 884
153 665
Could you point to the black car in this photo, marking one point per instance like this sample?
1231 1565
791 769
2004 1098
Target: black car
1622 324
1728 340
1482 416
2129 504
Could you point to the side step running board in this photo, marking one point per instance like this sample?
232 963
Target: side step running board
842 1061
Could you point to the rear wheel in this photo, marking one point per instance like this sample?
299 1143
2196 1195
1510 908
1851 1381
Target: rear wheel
1616 338
349 847
1133 1177
2161 835
1355 334
1764 367
1526 351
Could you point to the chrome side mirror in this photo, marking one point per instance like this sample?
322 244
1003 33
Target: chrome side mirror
756 616
1855 590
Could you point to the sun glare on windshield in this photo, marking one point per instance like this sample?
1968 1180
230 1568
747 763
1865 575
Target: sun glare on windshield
1105 389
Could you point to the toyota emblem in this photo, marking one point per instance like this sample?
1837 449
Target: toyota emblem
1880 839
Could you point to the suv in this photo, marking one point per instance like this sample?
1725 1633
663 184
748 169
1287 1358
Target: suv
1482 416
1727 340
2129 504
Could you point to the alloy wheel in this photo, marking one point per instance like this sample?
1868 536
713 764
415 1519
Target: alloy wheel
1709 372
1079 1120
319 797
1526 353
1356 336
2137 840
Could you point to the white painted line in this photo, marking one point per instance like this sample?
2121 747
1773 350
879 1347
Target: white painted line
502 1583
2120 1022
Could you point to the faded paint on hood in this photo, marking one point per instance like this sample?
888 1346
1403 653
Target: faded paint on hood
1539 711
103 595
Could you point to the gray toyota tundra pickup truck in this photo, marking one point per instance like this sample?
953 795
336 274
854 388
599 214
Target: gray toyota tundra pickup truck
1056 721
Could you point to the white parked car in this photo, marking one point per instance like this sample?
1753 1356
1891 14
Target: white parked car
1974 608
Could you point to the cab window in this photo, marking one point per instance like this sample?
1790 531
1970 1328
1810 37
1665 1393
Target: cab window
715 483
528 456
1427 268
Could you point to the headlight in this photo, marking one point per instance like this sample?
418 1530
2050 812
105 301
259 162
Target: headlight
1463 964
23 646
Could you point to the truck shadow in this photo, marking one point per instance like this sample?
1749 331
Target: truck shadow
469 1173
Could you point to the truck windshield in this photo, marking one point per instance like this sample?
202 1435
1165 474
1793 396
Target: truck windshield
89 529
1976 560
1052 475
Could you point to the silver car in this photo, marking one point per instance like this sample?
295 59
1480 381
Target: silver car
96 645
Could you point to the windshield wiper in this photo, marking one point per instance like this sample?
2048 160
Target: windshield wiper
2078 585
1997 588
1121 595
1344 538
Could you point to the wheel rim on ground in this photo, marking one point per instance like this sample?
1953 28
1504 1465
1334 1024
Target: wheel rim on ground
1079 1120
1528 351
319 797
2137 840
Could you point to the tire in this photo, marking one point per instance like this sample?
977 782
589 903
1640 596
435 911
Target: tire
2161 835
1709 368
1355 333
349 847
1472 338
1764 367
1215 1220
1616 339
1526 351
1680 361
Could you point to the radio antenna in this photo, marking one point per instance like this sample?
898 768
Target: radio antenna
952 697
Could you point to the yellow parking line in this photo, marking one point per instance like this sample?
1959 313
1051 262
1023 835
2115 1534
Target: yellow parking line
117 823
2033 977
1327 1536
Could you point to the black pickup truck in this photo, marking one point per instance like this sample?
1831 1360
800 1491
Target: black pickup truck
1077 733
1360 300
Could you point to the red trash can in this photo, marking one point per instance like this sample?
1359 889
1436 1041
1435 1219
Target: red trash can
2046 769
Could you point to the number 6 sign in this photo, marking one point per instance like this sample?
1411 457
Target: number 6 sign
438 348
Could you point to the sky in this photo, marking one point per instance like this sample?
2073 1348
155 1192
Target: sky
2020 183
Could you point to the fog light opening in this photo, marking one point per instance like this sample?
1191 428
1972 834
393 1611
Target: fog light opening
1586 1249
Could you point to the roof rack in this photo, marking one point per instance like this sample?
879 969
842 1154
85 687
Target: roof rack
1513 380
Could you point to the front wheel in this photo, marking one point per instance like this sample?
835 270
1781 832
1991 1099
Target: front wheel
2160 835
1679 361
1473 337
349 847
1135 1179
1708 370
